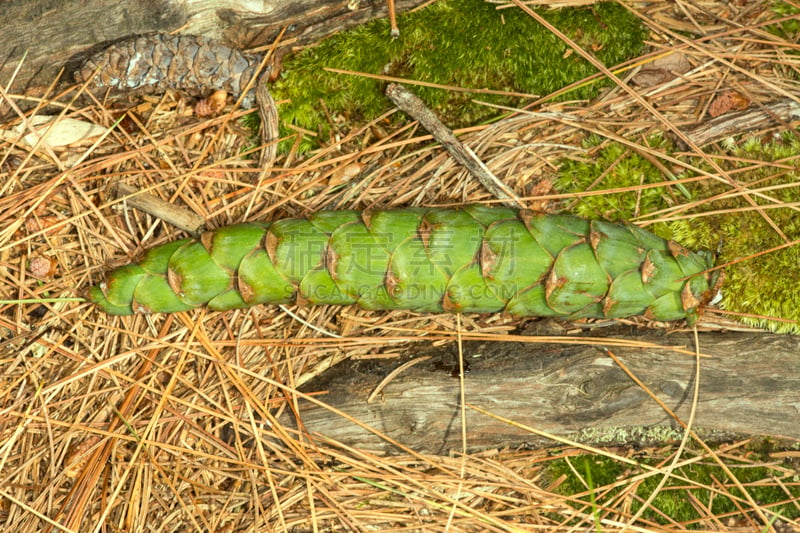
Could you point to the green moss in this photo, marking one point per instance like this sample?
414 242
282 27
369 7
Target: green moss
673 501
788 29
463 43
624 169
766 285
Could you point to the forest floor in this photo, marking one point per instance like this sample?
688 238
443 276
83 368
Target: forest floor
147 422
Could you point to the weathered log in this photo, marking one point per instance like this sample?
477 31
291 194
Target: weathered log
52 34
748 385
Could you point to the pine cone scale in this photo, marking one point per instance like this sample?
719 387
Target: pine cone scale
474 259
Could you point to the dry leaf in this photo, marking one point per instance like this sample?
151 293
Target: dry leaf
539 191
55 132
661 70
211 105
42 267
11 164
344 174
78 455
727 101
34 224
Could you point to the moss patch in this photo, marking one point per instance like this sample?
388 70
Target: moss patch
788 29
766 285
462 43
672 504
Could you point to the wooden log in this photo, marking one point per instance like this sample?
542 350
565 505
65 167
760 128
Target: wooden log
748 386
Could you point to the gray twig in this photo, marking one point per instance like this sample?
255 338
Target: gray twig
169 213
417 109
781 111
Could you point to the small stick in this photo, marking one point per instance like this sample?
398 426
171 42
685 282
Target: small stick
268 112
177 216
777 112
417 109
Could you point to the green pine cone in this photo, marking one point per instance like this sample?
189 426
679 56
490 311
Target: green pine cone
473 260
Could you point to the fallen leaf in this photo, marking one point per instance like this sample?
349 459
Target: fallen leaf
662 69
344 174
539 191
39 223
42 267
211 105
54 131
727 101
78 455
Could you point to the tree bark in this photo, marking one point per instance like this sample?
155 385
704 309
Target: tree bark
783 111
748 386
46 35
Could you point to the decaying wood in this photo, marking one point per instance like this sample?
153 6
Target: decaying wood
767 115
748 385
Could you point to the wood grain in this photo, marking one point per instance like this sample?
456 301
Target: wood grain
761 116
748 385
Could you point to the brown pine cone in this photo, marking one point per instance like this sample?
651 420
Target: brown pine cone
190 63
